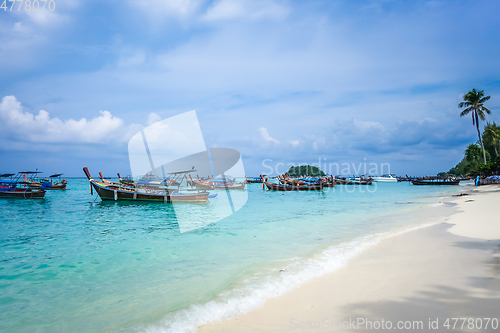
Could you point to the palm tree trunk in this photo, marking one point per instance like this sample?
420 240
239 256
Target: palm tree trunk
480 140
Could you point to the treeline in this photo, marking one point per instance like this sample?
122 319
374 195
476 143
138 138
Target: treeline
473 163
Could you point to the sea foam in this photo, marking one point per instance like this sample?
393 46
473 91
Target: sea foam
255 291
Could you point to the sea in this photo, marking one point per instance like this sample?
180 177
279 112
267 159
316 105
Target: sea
73 263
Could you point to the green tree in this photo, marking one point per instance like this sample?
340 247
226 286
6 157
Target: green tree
473 153
473 102
491 138
305 170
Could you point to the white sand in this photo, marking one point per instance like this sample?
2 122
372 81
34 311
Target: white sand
479 217
420 275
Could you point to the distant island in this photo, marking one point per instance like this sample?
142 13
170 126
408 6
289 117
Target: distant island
305 170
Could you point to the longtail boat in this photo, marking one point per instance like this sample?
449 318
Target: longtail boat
361 182
50 184
293 182
345 181
256 180
33 181
329 182
201 184
128 180
4 183
59 184
217 181
14 188
435 182
232 186
287 187
215 184
117 191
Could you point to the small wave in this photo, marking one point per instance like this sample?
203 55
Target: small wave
256 290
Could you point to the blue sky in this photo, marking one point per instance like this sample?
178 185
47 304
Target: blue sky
292 81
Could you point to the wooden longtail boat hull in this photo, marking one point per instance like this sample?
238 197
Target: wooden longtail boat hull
202 186
353 182
52 187
118 192
281 187
22 193
295 182
229 187
362 182
422 182
108 193
254 181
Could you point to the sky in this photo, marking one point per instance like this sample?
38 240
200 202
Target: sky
344 82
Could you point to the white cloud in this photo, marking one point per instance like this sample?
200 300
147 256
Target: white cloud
172 8
20 27
368 125
264 135
294 143
153 118
47 18
42 128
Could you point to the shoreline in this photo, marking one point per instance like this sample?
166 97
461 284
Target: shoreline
398 278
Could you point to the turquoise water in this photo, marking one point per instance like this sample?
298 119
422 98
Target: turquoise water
70 262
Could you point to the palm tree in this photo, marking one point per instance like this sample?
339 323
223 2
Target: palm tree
473 101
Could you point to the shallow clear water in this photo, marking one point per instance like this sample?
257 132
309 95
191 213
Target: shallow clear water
70 262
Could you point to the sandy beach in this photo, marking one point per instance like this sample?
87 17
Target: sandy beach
419 280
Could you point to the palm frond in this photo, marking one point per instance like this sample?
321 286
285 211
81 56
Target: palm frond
485 109
484 99
465 112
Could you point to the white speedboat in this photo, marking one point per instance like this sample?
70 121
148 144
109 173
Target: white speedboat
385 178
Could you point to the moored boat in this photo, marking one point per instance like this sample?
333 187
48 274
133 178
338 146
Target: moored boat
117 191
353 181
385 178
14 188
329 182
233 186
251 180
200 184
435 182
126 180
288 187
58 184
